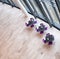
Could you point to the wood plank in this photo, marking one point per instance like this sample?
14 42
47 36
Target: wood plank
19 42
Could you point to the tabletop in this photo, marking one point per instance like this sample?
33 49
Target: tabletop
19 42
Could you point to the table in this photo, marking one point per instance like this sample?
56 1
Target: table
19 42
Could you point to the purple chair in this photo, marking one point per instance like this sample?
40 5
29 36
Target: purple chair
31 23
41 28
49 39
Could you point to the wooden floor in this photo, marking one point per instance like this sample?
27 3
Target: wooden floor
19 42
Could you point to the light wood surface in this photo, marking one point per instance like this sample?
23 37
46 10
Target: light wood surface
19 42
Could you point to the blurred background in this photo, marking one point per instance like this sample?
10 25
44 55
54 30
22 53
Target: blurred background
46 10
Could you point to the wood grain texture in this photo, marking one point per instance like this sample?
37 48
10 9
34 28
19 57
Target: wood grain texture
19 42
